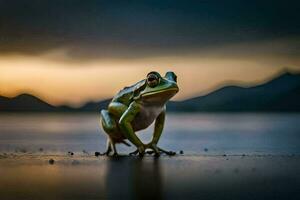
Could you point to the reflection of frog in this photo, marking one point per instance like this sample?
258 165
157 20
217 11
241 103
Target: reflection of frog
135 108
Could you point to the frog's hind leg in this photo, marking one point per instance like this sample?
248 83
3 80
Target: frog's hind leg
110 127
108 148
113 145
108 123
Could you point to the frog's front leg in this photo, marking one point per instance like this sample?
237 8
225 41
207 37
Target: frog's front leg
126 127
158 128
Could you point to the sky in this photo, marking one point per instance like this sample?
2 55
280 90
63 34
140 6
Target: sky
74 51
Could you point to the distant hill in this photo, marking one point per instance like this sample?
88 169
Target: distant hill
29 103
280 94
25 103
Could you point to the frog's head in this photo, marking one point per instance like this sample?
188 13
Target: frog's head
159 89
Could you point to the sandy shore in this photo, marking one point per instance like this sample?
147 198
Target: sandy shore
179 177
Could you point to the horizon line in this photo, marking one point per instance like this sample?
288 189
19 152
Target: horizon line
216 88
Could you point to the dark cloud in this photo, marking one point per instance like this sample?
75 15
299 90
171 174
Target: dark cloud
140 28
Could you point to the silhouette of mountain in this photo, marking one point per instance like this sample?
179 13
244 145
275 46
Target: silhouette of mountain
29 103
25 103
279 94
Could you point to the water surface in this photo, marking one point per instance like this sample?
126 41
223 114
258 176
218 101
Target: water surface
205 134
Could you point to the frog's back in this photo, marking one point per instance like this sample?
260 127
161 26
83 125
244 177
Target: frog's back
127 94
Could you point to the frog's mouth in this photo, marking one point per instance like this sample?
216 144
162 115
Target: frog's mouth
170 90
160 95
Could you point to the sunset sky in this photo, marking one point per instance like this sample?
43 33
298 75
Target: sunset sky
71 52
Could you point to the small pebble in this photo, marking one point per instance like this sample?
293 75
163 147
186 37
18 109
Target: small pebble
205 149
51 161
181 152
70 153
224 155
41 149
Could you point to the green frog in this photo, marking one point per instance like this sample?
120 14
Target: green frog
135 108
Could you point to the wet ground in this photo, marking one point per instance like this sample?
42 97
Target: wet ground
225 156
25 176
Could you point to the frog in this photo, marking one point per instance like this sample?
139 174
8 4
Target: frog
135 108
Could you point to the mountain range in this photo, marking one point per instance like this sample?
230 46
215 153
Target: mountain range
281 94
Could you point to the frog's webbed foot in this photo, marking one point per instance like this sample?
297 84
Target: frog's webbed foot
108 149
154 149
136 152
115 154
140 151
169 153
105 153
111 147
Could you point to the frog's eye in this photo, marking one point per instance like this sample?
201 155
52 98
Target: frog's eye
152 80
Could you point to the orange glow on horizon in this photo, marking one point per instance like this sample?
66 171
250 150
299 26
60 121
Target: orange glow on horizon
63 82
